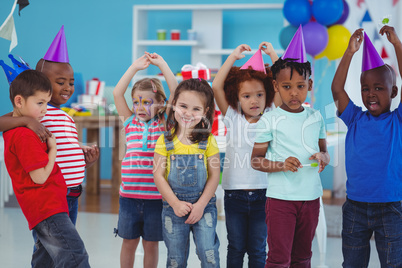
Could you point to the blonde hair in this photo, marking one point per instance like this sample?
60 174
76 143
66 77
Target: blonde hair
154 85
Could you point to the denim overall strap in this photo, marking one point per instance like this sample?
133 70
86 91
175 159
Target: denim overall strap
169 144
203 145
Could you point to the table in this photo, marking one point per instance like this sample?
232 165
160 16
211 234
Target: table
93 124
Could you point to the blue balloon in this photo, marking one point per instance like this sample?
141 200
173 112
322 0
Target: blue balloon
327 12
297 11
345 13
286 35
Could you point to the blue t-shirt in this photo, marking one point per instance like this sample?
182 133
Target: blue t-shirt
297 135
373 149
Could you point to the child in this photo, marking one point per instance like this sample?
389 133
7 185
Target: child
186 172
242 96
140 202
37 180
373 152
291 134
71 157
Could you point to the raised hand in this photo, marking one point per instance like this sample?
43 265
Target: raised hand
237 53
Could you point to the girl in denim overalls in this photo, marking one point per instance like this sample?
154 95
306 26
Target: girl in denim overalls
186 172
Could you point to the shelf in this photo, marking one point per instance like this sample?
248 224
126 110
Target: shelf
210 7
229 51
160 77
167 42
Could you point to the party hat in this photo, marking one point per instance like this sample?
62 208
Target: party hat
371 58
256 62
57 51
19 67
296 49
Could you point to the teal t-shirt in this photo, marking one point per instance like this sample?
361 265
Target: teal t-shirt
297 135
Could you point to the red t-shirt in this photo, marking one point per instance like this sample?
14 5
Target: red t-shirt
23 153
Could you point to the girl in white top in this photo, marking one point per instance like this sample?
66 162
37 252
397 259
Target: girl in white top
243 96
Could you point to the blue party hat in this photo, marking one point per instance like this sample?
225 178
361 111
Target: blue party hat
19 67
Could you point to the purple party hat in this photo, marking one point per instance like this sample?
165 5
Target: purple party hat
296 49
255 62
57 51
11 73
371 58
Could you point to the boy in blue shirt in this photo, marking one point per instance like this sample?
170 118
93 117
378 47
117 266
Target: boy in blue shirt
373 156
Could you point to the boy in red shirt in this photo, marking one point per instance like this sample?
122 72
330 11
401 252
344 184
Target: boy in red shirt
37 181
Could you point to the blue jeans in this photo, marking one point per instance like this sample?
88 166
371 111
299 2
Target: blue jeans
58 244
72 208
246 227
360 221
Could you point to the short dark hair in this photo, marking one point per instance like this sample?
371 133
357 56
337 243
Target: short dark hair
202 130
27 83
302 68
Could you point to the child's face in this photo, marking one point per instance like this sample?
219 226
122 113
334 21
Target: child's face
252 98
34 106
189 109
377 90
145 105
293 91
61 75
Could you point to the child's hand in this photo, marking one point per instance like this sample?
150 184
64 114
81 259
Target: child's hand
39 129
155 59
391 34
182 208
91 154
267 48
51 142
355 40
237 53
322 158
291 164
196 214
141 63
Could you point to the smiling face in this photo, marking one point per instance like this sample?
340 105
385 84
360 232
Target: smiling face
61 76
34 106
378 89
252 97
189 109
293 91
145 105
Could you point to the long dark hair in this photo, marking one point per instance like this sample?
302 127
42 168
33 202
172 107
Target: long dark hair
202 130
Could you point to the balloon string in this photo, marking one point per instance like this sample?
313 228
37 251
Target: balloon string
324 72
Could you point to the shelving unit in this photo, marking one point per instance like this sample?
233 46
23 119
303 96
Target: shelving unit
207 21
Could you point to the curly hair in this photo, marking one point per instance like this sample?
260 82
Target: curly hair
202 130
237 76
302 68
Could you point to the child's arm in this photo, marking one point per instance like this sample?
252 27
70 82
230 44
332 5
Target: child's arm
219 81
259 162
323 156
394 40
171 80
339 94
214 170
269 50
8 122
180 208
40 175
91 154
118 93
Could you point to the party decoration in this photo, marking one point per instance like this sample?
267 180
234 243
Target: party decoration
345 13
338 40
316 38
327 12
7 29
286 35
21 5
200 70
366 18
371 59
310 165
57 51
297 11
19 67
384 54
296 49
255 62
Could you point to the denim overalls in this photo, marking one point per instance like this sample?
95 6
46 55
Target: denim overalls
187 178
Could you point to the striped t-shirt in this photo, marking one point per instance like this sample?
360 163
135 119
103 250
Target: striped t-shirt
137 166
70 156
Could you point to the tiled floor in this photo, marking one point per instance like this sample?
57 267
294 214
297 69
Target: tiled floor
96 229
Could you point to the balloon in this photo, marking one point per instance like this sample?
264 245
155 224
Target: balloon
319 56
338 41
297 11
286 35
327 12
315 38
345 13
